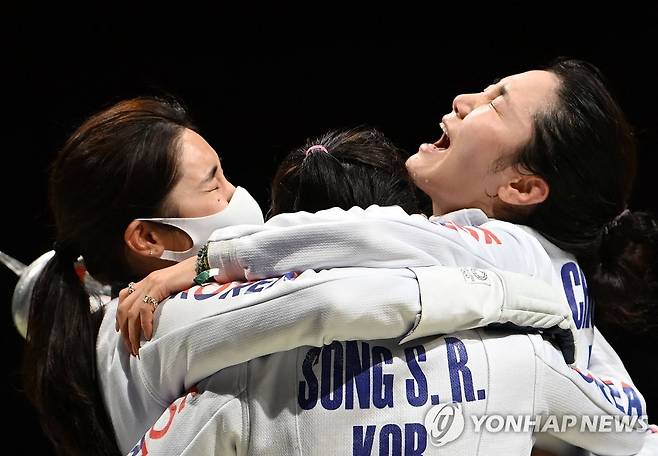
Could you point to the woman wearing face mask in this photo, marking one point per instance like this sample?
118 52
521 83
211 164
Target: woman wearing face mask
125 188
549 149
139 158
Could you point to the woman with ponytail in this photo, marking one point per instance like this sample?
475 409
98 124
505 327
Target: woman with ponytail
363 168
138 158
59 365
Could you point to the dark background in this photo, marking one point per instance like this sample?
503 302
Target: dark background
254 102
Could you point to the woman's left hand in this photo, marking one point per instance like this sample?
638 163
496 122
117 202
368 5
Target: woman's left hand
138 302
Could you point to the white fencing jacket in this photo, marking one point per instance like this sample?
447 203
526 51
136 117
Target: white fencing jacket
138 390
378 397
206 328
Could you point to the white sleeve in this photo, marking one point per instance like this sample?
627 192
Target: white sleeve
232 324
376 237
598 405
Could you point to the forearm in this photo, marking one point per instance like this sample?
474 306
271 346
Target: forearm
232 324
376 237
324 243
313 309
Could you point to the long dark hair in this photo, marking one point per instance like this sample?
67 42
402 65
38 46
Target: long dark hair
343 168
584 148
118 166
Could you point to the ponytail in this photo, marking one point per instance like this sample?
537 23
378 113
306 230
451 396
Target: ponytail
60 362
584 148
119 165
623 276
343 168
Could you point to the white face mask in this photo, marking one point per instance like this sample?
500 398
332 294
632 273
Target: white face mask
241 210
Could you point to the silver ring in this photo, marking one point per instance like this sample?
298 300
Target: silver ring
131 287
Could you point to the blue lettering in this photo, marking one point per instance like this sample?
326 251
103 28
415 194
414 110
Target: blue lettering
332 371
634 399
235 291
457 359
288 276
137 449
414 398
308 402
614 392
234 288
589 304
199 295
603 387
390 440
258 286
415 439
362 445
357 369
573 277
381 383
588 378
610 392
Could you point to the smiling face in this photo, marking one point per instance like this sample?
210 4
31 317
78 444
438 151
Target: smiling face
470 163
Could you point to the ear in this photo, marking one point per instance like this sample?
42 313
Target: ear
144 238
524 190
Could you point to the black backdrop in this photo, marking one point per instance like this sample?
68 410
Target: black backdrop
253 102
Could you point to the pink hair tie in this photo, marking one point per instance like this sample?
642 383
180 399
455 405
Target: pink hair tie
314 148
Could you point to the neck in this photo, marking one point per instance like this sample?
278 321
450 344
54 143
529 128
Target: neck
442 209
437 209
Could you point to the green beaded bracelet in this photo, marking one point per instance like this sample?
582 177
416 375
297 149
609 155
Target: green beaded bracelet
203 277
202 259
